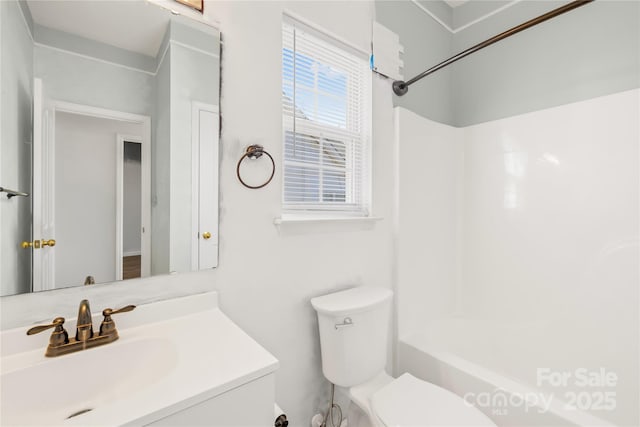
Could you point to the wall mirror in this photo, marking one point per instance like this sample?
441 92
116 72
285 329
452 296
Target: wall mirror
109 130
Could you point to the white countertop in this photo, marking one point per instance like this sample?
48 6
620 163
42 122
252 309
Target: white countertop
208 355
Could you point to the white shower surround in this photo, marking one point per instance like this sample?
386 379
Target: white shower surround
527 229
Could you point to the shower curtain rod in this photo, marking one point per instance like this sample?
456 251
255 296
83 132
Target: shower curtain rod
401 87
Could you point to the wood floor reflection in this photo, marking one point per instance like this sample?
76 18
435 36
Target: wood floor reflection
130 267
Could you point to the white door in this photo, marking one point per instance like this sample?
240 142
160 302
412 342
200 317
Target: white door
204 248
43 231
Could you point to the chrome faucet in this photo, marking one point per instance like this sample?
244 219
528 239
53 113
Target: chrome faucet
60 343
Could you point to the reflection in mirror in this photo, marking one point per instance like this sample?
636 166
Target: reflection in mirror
110 125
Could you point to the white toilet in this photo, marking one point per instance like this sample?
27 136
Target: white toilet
354 326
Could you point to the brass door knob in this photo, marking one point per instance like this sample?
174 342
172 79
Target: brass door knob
206 235
49 242
35 244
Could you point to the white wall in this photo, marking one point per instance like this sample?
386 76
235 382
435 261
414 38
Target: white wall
266 276
16 72
551 229
85 197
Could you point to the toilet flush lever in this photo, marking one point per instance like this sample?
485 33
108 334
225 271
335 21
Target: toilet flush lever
346 322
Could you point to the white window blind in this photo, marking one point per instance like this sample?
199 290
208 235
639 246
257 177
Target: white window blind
326 99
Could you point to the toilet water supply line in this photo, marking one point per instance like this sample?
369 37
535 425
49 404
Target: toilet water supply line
329 414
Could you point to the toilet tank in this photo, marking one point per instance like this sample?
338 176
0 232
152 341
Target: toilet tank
354 330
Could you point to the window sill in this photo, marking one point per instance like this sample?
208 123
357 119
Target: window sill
304 224
303 219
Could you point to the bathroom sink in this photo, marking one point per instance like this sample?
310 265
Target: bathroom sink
59 388
171 356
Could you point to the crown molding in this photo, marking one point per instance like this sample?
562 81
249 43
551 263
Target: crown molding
467 25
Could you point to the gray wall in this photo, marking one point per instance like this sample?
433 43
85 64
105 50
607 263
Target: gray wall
160 175
425 43
77 79
81 45
588 52
16 72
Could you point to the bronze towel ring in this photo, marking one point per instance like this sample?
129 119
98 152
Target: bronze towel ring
255 152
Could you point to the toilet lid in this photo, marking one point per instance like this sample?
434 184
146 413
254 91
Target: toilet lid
409 401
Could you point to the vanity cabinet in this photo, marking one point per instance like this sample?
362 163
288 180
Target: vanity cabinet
249 404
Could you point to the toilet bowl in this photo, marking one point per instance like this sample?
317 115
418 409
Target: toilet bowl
354 327
408 401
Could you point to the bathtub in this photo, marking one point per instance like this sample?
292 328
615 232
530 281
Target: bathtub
457 354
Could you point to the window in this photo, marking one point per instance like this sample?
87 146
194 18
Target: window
326 113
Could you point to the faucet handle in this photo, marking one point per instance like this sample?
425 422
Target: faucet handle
108 327
57 323
109 311
59 335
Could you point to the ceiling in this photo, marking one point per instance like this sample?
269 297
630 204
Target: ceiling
137 26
